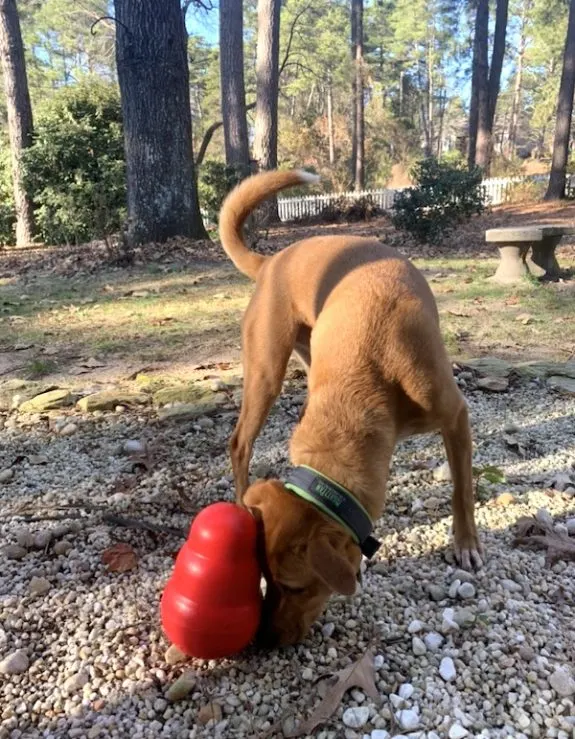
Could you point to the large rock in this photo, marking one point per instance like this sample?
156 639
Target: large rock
489 366
188 411
191 393
14 392
108 400
543 369
562 384
49 401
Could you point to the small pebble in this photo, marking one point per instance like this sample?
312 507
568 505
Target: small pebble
39 585
562 682
408 719
356 717
307 674
6 475
466 590
447 669
405 691
456 731
433 641
418 646
15 663
14 551
415 627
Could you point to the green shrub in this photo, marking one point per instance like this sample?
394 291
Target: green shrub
75 168
215 180
7 214
444 196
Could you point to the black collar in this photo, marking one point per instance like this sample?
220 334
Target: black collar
337 503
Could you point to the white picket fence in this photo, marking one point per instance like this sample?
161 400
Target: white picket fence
497 191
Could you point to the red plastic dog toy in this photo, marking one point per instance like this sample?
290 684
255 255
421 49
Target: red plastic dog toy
211 605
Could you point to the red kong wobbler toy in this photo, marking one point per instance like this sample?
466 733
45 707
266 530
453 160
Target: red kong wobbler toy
211 605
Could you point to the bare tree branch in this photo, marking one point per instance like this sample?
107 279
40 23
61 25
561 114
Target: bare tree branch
107 18
290 37
209 134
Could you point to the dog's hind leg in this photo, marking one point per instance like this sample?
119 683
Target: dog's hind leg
268 338
457 439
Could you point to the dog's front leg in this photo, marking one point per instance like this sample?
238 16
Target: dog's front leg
457 439
268 337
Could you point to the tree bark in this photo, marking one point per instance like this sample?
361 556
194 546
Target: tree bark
232 85
487 117
517 88
19 112
358 132
267 79
556 188
152 62
479 106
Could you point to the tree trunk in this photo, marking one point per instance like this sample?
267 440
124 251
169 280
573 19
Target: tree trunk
232 85
358 132
430 96
267 78
19 114
556 188
513 122
330 126
479 107
151 56
487 117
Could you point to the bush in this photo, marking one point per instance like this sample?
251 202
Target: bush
345 210
75 168
444 196
215 180
7 214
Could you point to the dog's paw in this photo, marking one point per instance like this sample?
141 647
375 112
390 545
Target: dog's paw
469 553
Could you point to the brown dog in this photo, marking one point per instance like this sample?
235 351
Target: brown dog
363 321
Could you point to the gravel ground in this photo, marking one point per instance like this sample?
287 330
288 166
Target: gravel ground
82 653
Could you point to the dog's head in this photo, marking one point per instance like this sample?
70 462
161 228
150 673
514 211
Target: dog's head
307 558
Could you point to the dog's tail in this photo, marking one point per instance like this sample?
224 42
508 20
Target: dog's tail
238 205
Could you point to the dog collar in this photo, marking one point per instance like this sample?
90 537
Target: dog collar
337 503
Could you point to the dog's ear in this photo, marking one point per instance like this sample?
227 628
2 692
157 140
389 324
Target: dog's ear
331 566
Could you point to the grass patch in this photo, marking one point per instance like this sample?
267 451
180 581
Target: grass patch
148 315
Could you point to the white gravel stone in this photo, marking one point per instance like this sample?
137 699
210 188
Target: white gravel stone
380 734
418 646
442 473
447 669
415 627
433 641
307 674
356 717
456 731
408 719
39 585
562 682
466 590
405 691
15 663
570 524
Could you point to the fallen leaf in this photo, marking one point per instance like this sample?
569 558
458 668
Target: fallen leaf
459 313
536 534
360 674
210 712
512 300
524 318
514 443
120 558
92 363
504 499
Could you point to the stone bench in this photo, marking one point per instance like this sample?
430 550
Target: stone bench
514 245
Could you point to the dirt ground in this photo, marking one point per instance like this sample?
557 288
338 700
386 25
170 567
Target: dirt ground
73 312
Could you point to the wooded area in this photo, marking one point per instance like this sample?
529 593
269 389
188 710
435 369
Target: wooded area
354 89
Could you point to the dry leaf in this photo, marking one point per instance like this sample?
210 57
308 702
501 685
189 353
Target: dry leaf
535 534
360 674
120 558
211 711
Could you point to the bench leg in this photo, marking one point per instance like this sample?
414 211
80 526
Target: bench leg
512 267
543 258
